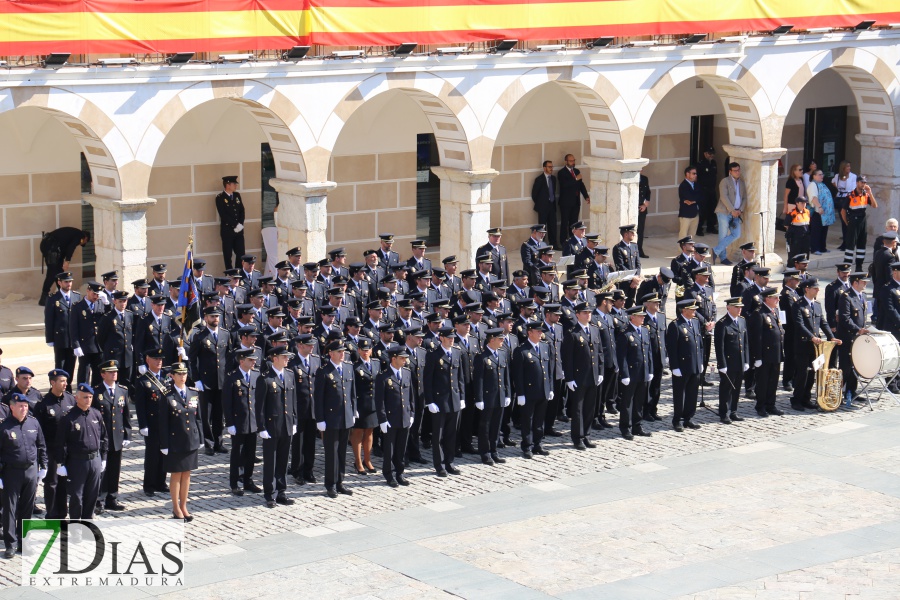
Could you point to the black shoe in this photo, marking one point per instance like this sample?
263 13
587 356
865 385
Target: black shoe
552 433
310 478
810 405
501 445
735 417
452 470
402 480
330 493
392 483
441 473
209 451
702 404
775 411
98 510
677 427
644 255
797 407
237 491
498 459
149 492
643 433
705 383
604 424
700 232
252 488
42 301
220 449
750 395
486 460
725 420
713 230
762 412
527 454
508 443
271 503
691 425
426 441
282 499
469 449
114 505
562 419
541 451
788 387
588 443
371 470
418 460
628 436
163 490
611 409
579 445
362 472
342 490
299 480
9 553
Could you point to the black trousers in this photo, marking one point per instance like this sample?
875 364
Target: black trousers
467 421
55 492
653 388
850 380
804 376
609 391
19 490
84 486
632 404
532 419
799 240
301 461
767 384
154 470
750 380
790 358
213 418
49 279
684 397
232 244
109 483
89 361
243 451
335 456
394 445
489 430
582 408
642 220
855 238
557 405
548 217
729 392
412 444
708 210
568 214
443 438
64 358
275 461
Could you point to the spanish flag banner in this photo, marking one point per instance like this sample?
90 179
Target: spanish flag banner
146 26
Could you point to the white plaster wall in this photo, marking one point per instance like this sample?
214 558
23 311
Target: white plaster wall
389 122
546 114
217 131
825 89
35 142
673 115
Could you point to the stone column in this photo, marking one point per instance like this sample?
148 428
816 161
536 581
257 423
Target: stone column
120 236
880 163
614 195
759 169
465 211
302 216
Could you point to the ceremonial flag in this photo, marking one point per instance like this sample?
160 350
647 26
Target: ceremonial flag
188 295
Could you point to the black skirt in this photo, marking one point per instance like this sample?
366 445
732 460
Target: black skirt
178 462
366 421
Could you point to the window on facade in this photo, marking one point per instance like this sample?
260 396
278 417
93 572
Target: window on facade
269 195
428 190
88 257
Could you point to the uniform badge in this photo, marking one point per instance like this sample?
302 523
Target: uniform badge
57 304
361 373
684 329
121 401
151 328
147 384
77 426
12 434
192 404
274 386
441 362
390 382
581 338
630 338
52 412
226 200
84 313
173 403
330 376
528 355
115 321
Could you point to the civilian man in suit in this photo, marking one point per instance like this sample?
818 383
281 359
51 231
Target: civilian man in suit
690 202
57 333
571 189
544 194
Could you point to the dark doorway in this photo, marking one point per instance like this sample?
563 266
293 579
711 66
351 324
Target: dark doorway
428 190
701 135
269 195
825 138
88 257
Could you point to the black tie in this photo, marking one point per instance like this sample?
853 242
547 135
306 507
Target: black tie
248 378
281 377
215 339
182 395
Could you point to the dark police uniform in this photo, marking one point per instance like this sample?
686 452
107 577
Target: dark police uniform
238 397
23 452
334 397
609 389
57 313
492 388
276 413
684 345
117 420
83 323
115 337
208 358
732 353
393 399
767 344
179 429
636 365
583 363
303 444
416 366
48 412
851 318
786 302
151 333
656 327
626 257
149 394
80 447
533 380
7 381
445 388
231 214
500 260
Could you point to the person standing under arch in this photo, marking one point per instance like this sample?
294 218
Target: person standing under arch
231 217
571 188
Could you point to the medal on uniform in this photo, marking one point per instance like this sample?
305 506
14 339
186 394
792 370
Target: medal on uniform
390 383
528 355
274 386
487 362
151 328
12 434
84 313
581 338
52 412
173 403
361 374
684 329
57 304
121 402
330 376
226 200
77 426
630 338
441 362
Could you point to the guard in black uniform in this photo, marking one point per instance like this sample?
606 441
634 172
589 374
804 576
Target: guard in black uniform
493 392
276 420
80 449
534 388
444 398
732 359
684 345
626 258
416 365
115 336
810 325
335 412
852 313
208 359
655 322
57 248
767 351
708 179
303 443
231 218
786 301
239 409
635 373
57 332
583 365
150 391
394 405
112 402
48 411
83 323
23 460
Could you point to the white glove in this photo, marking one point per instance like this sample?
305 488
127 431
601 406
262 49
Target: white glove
294 433
356 415
142 369
198 385
320 426
1 484
571 385
103 464
520 400
723 370
61 471
50 344
507 402
757 364
552 396
239 228
78 352
649 378
41 474
265 434
676 372
125 443
232 430
165 451
144 432
626 381
433 408
746 367
182 354
384 427
479 405
104 300
599 379
462 404
411 421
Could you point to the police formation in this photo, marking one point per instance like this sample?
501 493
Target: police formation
388 356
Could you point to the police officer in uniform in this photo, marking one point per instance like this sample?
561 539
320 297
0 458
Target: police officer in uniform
493 392
335 412
626 258
393 399
208 359
180 436
752 300
635 373
767 350
707 179
48 411
238 397
414 337
833 291
303 444
57 333
534 388
809 326
732 359
80 448
497 252
655 322
115 336
112 402
748 260
444 398
150 391
684 345
786 301
276 420
231 217
23 460
83 323
852 313
582 356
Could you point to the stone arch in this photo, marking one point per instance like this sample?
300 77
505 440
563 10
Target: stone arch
273 112
599 101
871 80
103 145
456 128
742 96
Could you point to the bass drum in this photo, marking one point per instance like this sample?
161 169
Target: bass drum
874 354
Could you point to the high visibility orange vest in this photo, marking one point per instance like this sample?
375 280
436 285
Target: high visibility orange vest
799 217
858 200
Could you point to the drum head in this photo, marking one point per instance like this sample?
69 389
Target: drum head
875 354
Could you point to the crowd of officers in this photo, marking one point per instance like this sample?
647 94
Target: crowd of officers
410 353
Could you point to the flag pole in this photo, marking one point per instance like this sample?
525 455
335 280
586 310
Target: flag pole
190 263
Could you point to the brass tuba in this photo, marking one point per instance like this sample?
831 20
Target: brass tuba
828 381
